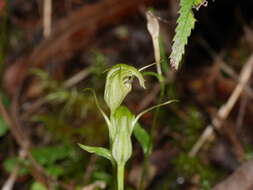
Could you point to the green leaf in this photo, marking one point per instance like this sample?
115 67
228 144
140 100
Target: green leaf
37 186
3 127
4 99
54 170
185 23
50 154
102 176
43 75
58 96
143 138
10 163
119 84
46 81
100 151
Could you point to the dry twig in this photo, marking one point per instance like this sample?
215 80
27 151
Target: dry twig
95 185
8 185
72 81
241 179
226 108
242 111
70 34
22 139
47 18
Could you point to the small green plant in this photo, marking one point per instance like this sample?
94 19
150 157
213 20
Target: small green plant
3 126
121 122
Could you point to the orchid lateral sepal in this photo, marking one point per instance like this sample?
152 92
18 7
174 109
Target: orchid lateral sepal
147 66
98 106
151 108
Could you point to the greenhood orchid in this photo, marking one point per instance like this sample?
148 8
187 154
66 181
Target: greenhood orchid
121 122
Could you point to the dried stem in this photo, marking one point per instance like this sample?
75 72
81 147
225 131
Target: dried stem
226 108
47 18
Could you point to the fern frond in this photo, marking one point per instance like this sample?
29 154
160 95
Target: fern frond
185 23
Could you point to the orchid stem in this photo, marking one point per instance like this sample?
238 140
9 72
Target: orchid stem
120 176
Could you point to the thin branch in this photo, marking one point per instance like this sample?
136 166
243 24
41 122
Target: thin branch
242 111
47 18
76 78
241 179
8 185
97 184
72 81
226 108
37 171
9 122
146 101
228 70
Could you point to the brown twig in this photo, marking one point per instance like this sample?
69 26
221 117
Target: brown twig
47 18
149 98
95 185
16 134
226 108
76 78
36 170
228 70
69 35
241 179
8 185
90 167
229 130
242 111
72 81
223 66
22 140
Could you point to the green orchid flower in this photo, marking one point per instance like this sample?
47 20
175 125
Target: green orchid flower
121 122
119 84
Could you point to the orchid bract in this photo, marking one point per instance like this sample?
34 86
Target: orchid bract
123 121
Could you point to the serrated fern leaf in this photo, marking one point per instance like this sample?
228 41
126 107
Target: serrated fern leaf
185 23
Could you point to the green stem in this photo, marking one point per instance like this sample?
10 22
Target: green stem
120 176
144 171
154 122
